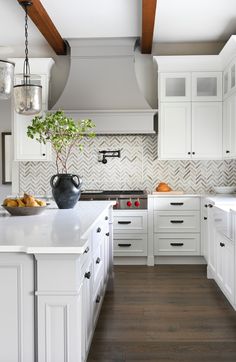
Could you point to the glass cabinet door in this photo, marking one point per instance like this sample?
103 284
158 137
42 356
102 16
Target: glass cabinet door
175 87
206 86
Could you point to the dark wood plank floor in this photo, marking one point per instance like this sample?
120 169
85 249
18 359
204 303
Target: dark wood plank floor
164 314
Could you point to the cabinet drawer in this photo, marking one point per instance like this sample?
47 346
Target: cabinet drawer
130 245
129 222
99 233
185 221
177 203
182 244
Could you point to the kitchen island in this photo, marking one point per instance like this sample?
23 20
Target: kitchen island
54 270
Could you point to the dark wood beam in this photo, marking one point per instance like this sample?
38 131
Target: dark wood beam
148 20
42 20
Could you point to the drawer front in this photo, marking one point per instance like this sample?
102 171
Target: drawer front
97 301
177 203
181 244
130 245
165 221
129 222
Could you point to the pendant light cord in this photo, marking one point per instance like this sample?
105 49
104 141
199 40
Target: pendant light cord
26 69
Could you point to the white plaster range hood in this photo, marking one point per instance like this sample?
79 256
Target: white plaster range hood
102 86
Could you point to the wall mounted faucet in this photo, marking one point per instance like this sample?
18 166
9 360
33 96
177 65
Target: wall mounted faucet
106 154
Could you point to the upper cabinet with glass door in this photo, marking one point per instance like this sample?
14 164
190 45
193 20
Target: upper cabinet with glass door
229 79
206 86
175 87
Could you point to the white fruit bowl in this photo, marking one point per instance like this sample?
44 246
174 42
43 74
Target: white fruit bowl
224 189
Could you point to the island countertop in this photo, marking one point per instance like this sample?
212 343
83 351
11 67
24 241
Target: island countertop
54 231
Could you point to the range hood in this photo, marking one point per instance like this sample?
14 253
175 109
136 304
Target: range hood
102 86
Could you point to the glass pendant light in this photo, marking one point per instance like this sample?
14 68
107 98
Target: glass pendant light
27 96
6 79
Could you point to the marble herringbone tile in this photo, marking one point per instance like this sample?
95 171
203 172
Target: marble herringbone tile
138 168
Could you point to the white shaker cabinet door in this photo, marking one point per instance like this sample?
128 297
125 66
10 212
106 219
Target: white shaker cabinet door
207 130
25 148
229 127
175 131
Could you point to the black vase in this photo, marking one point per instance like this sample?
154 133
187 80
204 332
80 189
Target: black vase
66 189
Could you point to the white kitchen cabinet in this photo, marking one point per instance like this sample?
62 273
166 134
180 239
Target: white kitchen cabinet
176 226
207 130
229 79
175 87
26 149
190 134
229 127
16 307
225 267
206 86
175 131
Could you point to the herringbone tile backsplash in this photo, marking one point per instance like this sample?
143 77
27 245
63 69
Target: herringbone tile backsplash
138 168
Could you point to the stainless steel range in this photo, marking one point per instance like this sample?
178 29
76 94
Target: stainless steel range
125 199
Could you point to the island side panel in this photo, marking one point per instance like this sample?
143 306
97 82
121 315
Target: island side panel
16 307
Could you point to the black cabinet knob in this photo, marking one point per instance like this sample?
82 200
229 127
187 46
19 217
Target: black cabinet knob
227 151
98 299
86 250
193 153
107 234
106 217
99 230
98 261
206 205
44 154
222 245
210 205
189 153
87 275
205 218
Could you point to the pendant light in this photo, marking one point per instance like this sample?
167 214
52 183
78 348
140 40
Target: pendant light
27 96
6 79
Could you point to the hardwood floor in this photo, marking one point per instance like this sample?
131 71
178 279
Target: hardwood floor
164 314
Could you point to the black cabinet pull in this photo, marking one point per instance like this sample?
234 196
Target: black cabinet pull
87 275
193 153
176 221
124 222
206 205
222 244
98 299
176 244
210 205
124 245
44 154
176 203
98 260
205 218
106 217
86 250
189 153
107 234
227 151
99 230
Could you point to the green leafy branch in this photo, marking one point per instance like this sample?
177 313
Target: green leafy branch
62 132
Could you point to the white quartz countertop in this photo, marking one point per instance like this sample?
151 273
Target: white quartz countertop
54 231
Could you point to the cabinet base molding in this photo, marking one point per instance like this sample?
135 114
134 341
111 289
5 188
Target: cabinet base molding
126 260
180 260
210 273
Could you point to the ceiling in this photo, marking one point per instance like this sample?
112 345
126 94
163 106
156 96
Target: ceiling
176 20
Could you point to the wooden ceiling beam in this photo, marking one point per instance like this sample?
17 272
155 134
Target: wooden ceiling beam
42 20
148 21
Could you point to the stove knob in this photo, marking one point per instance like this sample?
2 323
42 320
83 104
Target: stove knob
129 203
117 204
137 203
